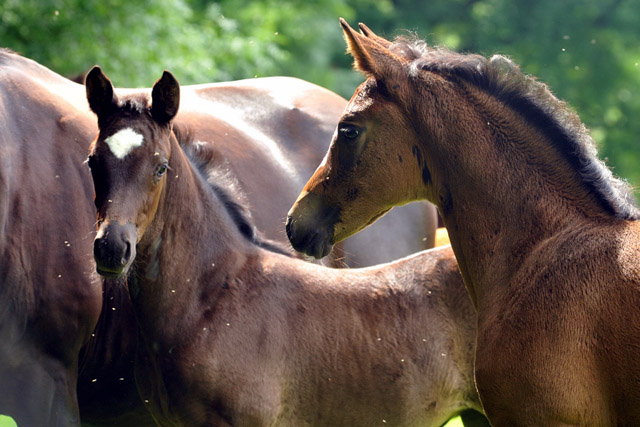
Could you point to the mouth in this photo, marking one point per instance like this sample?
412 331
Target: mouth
111 274
318 246
114 249
315 243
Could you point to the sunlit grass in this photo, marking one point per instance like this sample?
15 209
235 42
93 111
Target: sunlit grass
454 422
6 421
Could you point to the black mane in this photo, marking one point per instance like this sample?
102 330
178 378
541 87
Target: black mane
501 78
213 168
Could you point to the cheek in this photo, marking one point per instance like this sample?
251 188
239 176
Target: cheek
149 208
356 216
384 178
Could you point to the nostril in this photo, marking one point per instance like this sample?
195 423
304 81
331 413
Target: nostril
127 253
288 226
99 246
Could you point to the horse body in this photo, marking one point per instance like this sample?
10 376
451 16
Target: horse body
545 237
280 342
47 128
240 335
50 298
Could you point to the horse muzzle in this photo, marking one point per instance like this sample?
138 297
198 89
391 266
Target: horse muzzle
114 248
310 225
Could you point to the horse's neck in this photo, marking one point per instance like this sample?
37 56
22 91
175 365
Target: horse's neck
492 241
191 249
499 208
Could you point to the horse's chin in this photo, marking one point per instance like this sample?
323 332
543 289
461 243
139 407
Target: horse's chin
314 240
321 250
317 246
112 274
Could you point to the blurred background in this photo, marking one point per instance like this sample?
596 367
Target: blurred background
587 51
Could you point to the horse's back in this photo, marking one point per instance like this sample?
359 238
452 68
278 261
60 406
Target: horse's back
403 329
277 130
418 337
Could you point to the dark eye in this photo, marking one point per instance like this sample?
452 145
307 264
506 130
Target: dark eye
349 132
160 170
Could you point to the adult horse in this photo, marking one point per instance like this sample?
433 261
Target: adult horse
546 238
240 335
50 298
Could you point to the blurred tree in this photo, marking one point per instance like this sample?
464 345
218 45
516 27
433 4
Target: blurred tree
132 40
588 51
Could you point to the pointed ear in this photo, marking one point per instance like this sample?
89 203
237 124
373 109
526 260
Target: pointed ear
100 95
366 31
370 56
361 59
165 98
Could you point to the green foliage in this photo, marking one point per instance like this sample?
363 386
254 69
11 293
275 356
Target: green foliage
588 51
7 421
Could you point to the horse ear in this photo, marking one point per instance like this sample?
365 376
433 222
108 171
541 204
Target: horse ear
370 54
366 31
361 59
100 95
165 98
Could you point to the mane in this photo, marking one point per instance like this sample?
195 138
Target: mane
501 78
135 104
214 169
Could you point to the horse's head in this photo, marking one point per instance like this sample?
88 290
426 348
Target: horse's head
128 159
362 176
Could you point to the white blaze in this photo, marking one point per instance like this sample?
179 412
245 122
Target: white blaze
123 141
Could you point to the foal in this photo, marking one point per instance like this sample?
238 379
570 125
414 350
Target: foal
240 335
546 238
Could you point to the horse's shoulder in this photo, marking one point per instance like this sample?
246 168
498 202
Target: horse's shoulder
631 228
601 256
626 250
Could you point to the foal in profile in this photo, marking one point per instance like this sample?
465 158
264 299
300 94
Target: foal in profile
547 240
237 333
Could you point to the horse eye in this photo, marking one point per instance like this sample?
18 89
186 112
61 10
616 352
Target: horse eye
349 132
160 170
